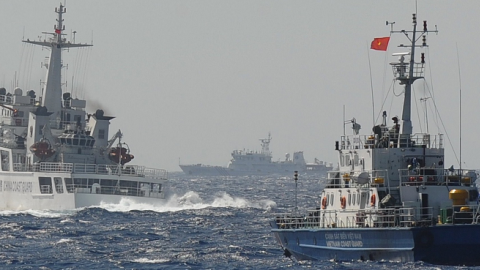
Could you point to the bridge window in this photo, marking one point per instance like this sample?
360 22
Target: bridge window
69 185
45 185
5 155
58 184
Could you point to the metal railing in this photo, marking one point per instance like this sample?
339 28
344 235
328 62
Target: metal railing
103 169
350 142
388 217
427 176
338 179
400 70
46 189
145 191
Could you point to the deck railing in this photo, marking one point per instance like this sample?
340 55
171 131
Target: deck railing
427 176
103 169
143 191
349 142
408 177
388 217
338 179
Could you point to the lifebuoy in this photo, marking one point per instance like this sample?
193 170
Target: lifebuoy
324 202
373 200
343 202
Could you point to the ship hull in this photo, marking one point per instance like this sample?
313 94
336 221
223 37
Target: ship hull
63 191
67 201
203 170
442 244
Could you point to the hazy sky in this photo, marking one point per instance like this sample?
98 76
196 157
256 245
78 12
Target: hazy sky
194 80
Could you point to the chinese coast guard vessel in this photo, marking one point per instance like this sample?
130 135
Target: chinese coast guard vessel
259 163
391 198
55 156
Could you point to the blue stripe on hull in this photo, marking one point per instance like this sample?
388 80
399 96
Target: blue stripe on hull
348 243
441 244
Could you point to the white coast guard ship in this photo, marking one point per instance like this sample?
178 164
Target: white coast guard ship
55 156
245 163
392 198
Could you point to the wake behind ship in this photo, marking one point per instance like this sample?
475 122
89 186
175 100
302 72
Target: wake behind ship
247 163
56 156
392 198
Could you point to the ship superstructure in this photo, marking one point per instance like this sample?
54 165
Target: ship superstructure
56 156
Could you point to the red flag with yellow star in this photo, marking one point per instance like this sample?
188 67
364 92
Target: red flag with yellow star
380 44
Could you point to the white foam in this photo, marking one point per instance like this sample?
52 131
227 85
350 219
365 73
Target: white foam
145 260
41 213
188 201
191 200
63 240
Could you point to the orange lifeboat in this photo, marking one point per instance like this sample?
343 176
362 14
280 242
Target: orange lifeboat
120 155
42 149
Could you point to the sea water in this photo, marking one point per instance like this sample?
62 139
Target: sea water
205 223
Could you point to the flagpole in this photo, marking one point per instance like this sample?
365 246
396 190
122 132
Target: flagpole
371 87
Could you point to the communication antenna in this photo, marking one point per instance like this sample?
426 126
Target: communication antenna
295 177
391 24
426 116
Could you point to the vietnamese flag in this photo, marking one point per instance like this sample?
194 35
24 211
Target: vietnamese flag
58 31
380 44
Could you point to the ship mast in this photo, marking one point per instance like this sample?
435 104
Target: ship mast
52 93
265 145
415 71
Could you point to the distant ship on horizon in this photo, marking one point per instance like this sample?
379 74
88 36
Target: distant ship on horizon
245 162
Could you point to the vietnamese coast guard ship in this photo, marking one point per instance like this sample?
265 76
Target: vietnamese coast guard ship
391 198
55 156
247 163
